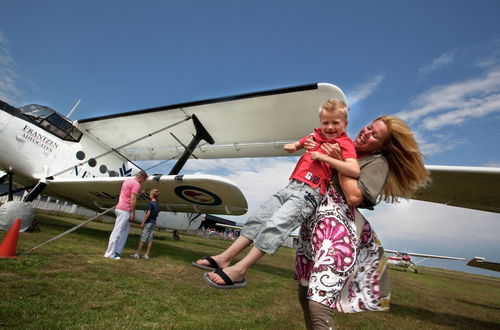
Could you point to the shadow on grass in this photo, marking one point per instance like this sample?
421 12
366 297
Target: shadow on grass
442 319
479 305
177 252
168 247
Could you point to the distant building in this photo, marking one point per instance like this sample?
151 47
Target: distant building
211 221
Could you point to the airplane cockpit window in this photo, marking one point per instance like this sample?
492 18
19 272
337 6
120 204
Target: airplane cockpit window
51 121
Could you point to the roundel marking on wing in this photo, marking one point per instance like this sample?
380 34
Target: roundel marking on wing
197 195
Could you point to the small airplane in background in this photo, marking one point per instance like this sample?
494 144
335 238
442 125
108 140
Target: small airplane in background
403 259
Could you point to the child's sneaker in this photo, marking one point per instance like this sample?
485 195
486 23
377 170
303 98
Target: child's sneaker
135 255
145 256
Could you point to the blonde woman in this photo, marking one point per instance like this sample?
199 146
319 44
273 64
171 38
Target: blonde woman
340 264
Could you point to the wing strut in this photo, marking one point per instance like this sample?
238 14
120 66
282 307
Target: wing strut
201 134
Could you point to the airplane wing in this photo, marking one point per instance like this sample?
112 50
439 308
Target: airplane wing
482 263
425 255
181 193
249 125
470 187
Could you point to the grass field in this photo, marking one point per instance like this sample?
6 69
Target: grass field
68 284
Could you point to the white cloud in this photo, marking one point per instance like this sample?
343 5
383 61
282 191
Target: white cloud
438 63
8 77
364 90
493 163
453 103
423 226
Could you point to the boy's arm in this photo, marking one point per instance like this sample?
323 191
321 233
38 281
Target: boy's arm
146 217
293 147
348 167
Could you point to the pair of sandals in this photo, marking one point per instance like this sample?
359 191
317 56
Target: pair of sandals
229 284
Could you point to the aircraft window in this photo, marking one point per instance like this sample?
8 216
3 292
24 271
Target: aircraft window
52 121
61 123
37 112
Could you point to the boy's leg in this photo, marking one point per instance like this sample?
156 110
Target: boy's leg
224 259
237 271
299 206
139 248
253 226
148 250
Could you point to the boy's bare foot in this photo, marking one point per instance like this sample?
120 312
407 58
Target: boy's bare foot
211 263
234 274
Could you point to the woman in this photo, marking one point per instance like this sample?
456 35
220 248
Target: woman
340 263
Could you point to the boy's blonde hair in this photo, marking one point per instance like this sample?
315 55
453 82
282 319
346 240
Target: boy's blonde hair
155 192
332 105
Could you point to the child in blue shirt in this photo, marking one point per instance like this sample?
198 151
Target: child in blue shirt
148 224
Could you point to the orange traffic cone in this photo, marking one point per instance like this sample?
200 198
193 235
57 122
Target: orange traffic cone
8 246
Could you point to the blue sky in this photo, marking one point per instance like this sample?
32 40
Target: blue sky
434 63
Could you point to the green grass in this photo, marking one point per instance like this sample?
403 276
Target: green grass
68 284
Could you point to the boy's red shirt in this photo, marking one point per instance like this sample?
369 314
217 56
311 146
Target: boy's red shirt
317 173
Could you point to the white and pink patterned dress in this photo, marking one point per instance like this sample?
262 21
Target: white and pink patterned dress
341 260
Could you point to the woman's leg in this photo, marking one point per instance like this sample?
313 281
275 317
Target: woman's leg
321 316
304 303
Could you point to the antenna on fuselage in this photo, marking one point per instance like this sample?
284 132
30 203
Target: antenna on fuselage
73 109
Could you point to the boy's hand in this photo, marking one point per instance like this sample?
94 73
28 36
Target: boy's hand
310 144
316 155
142 224
290 147
132 217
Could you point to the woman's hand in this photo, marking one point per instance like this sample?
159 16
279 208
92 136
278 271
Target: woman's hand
332 150
310 144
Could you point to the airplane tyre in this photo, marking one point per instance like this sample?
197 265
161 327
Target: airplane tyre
12 210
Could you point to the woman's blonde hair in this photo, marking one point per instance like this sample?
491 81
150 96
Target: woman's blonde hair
406 167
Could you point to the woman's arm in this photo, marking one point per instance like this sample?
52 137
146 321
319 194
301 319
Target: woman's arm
347 167
351 190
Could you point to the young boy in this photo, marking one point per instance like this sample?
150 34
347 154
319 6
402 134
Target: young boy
148 224
271 224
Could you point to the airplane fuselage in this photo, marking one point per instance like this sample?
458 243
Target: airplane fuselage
40 143
33 148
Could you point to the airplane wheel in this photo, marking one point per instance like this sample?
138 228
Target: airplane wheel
176 237
416 271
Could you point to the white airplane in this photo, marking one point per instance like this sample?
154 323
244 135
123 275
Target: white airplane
86 161
403 259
